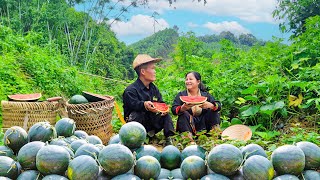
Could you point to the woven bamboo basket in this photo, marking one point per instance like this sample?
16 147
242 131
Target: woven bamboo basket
94 117
26 114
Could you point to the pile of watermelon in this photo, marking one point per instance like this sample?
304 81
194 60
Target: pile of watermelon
61 152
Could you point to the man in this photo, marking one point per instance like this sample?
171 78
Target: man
138 98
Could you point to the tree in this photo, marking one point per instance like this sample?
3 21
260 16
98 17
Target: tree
294 14
187 45
229 36
247 39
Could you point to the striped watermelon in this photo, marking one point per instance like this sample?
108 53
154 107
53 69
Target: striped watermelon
288 159
225 159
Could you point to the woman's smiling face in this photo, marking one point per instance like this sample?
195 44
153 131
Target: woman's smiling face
191 82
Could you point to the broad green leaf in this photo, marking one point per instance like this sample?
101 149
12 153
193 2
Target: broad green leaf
225 124
254 128
251 98
243 108
250 111
235 121
268 135
279 105
267 109
249 90
301 84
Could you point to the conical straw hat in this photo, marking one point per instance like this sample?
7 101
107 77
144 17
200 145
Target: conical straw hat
142 59
237 132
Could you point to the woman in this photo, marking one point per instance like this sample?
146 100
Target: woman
194 118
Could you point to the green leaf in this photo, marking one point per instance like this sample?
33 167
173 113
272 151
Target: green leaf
249 90
225 124
295 66
235 121
254 128
268 135
279 105
284 112
250 111
251 98
267 109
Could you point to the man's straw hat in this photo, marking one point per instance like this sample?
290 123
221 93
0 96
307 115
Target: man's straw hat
237 132
142 59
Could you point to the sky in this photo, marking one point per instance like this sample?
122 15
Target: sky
236 16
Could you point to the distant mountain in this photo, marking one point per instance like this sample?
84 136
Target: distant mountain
243 39
158 44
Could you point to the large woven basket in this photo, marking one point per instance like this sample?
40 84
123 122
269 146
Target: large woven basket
94 117
26 114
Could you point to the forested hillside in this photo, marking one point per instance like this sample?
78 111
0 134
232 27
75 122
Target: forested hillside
162 43
158 44
84 43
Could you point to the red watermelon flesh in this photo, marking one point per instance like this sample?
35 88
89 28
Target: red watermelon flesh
25 97
161 107
193 99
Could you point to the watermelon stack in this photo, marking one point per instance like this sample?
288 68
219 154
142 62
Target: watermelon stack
77 155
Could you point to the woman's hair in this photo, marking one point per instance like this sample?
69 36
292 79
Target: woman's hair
198 77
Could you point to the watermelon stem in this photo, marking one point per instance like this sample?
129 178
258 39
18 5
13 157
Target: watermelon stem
38 177
248 153
7 140
13 165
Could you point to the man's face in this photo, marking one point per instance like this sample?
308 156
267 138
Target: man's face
149 73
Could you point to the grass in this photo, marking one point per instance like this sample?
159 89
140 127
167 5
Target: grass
1 134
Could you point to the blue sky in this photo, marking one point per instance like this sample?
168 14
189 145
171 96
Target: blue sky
236 16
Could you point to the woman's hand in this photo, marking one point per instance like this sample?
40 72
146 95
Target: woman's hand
185 107
208 105
164 113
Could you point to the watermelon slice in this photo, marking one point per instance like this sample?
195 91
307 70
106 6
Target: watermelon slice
25 97
193 99
161 107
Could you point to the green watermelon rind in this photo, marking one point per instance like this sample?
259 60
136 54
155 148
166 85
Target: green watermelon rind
52 159
312 154
27 154
116 159
225 159
78 99
288 159
147 167
170 157
65 127
83 167
132 135
258 167
193 167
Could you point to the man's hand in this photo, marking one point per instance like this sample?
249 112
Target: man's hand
149 106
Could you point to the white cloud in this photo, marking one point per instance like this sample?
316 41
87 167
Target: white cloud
231 26
139 25
192 25
247 10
